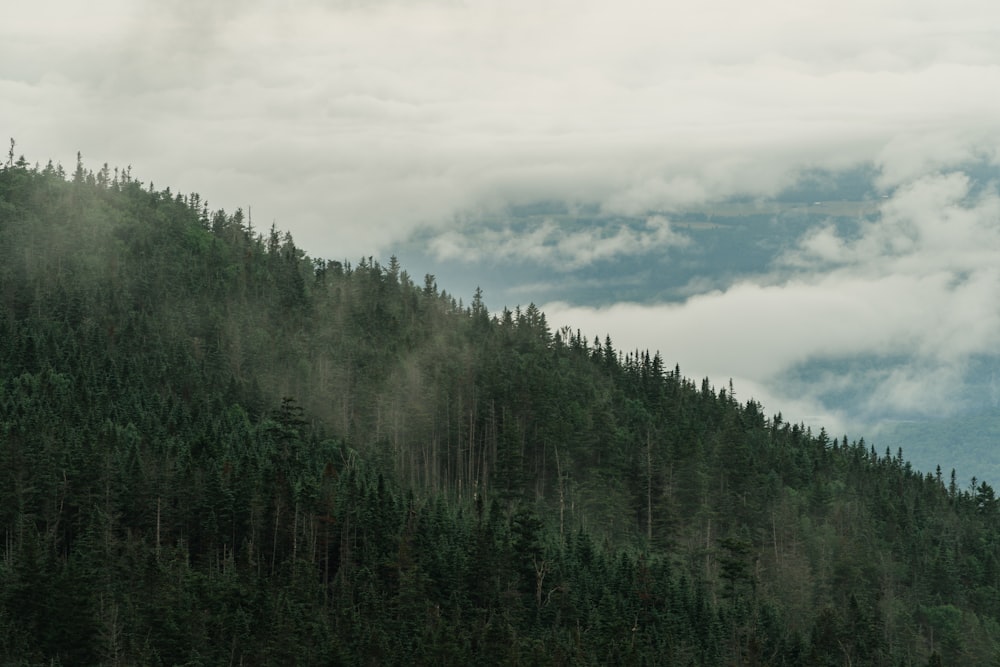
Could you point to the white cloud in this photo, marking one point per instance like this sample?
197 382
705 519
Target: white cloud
930 225
916 291
554 244
355 123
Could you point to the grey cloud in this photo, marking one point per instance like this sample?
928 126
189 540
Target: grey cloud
378 119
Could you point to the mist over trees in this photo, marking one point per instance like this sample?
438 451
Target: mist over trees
216 449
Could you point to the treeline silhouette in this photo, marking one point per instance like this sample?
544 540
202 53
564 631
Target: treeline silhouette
215 449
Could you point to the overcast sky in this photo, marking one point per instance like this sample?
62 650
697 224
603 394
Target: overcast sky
355 124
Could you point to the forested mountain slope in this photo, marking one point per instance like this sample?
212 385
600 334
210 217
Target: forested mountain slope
215 449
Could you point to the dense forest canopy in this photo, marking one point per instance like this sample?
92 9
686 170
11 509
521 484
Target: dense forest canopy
216 449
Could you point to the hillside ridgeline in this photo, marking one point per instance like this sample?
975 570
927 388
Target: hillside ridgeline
215 449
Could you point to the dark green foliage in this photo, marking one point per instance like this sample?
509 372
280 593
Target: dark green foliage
215 449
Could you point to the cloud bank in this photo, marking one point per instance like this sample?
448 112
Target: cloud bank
356 123
914 291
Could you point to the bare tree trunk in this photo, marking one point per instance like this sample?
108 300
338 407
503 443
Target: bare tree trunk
541 569
562 495
649 487
274 541
158 500
295 533
774 538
